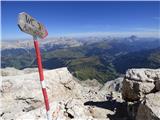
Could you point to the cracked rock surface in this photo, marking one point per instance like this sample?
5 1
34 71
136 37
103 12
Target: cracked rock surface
141 91
71 99
22 99
139 82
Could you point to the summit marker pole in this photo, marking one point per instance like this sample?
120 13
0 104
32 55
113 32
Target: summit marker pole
29 25
40 69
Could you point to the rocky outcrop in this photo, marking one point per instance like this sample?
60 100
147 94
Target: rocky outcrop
22 98
14 72
141 92
21 94
139 82
149 109
72 99
113 85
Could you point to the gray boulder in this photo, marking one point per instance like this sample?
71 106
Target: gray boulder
149 109
113 85
139 82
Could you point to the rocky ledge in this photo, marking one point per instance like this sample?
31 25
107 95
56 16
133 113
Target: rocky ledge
21 96
134 97
141 89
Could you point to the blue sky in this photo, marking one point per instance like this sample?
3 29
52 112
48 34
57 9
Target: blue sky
84 18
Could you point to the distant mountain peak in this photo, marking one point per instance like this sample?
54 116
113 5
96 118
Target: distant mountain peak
132 38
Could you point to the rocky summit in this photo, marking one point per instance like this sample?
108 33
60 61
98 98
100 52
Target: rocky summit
22 99
139 82
141 92
69 98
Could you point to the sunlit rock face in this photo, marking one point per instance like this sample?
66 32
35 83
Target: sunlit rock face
139 82
70 98
22 97
140 89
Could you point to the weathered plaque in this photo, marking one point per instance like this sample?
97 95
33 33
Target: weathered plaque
31 26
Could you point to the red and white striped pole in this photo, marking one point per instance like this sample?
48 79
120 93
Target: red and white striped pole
40 69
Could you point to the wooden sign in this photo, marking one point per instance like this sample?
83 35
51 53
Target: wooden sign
31 26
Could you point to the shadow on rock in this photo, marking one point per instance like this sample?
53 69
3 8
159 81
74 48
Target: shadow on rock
120 109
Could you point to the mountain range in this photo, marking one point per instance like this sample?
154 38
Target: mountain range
100 58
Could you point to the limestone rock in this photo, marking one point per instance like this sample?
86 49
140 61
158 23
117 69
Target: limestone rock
146 75
149 109
139 82
23 91
13 72
157 83
75 109
21 95
113 85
